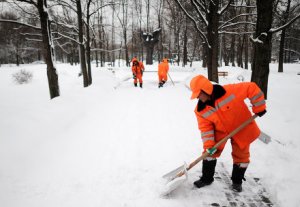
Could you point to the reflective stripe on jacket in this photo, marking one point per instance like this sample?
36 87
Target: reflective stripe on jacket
228 113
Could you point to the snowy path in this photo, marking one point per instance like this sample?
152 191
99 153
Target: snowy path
101 146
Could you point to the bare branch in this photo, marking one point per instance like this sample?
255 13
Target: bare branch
236 33
104 50
237 23
23 9
70 38
34 40
201 6
20 23
225 7
29 2
285 25
195 23
230 20
199 12
294 51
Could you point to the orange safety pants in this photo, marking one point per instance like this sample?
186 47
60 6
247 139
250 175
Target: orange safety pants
138 78
238 155
162 77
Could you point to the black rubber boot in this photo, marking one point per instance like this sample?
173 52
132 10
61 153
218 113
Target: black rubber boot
135 84
208 171
160 85
237 178
141 85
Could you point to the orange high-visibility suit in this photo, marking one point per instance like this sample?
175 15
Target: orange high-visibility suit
163 69
230 111
137 71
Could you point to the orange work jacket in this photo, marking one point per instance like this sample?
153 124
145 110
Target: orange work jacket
163 67
229 112
137 69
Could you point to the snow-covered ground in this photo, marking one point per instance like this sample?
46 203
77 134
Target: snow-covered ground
101 146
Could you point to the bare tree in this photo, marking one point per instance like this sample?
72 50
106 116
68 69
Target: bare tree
262 42
48 47
124 24
207 13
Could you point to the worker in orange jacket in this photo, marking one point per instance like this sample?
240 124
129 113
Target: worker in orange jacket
220 110
163 69
137 72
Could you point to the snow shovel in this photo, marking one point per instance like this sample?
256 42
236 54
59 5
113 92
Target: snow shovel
171 79
175 177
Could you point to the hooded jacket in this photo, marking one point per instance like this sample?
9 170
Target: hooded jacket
226 111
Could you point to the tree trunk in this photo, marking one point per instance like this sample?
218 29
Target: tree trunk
213 40
149 59
246 48
88 52
96 53
281 51
81 45
262 48
204 54
47 49
185 39
225 51
232 51
240 51
282 38
126 48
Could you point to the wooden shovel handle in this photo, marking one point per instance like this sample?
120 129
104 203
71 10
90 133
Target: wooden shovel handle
205 154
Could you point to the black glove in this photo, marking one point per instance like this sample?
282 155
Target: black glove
134 76
260 114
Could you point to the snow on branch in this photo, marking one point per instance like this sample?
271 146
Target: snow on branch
230 20
29 2
293 38
30 34
201 6
285 25
225 7
294 51
70 38
236 33
62 48
104 50
30 48
34 40
257 40
199 12
237 23
20 23
244 6
66 25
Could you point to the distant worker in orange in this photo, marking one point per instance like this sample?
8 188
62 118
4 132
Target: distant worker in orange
220 110
163 69
137 72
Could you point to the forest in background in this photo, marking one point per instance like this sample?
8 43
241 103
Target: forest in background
216 32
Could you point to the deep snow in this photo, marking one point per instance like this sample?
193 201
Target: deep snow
101 146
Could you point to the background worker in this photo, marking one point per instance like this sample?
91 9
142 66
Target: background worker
163 69
220 110
137 72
